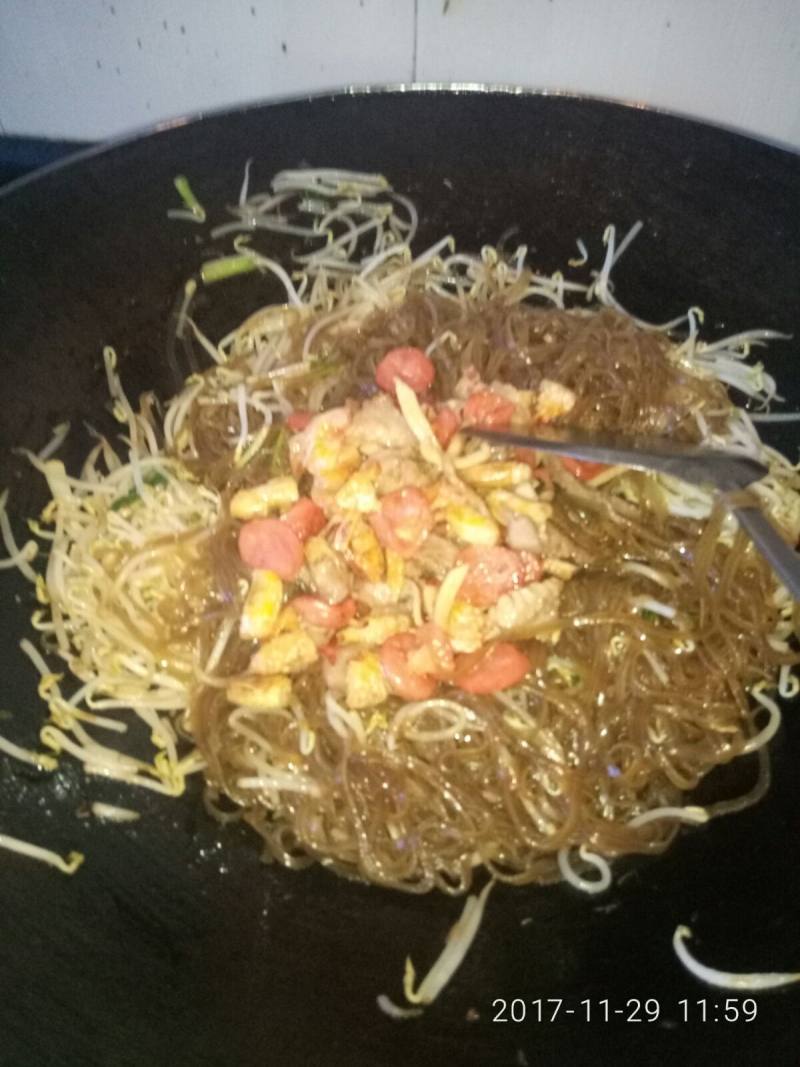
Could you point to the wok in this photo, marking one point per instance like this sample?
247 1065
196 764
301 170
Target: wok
174 944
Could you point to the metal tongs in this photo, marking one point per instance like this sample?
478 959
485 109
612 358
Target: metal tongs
728 472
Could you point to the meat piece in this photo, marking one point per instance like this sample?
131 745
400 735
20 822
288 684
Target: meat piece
375 594
521 533
551 543
521 611
404 521
468 383
379 425
493 570
433 653
397 471
330 575
317 612
400 677
324 449
335 662
436 556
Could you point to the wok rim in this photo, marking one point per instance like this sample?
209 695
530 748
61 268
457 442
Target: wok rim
455 88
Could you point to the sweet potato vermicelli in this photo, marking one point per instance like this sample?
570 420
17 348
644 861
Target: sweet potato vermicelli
343 701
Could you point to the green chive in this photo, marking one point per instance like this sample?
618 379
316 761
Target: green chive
153 478
217 270
321 368
188 197
279 463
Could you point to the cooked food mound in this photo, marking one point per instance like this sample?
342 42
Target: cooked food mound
393 647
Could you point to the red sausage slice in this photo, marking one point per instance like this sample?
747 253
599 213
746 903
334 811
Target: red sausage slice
298 420
488 410
271 545
306 518
582 469
493 667
410 365
445 424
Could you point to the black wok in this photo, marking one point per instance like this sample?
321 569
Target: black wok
174 945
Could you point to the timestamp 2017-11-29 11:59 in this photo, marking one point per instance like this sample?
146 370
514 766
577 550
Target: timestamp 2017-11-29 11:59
630 1010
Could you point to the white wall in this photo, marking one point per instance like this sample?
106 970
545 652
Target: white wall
94 68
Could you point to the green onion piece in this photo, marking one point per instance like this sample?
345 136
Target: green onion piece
321 368
279 463
650 616
188 197
125 501
153 478
217 270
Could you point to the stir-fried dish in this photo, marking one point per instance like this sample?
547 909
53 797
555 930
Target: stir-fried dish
392 647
